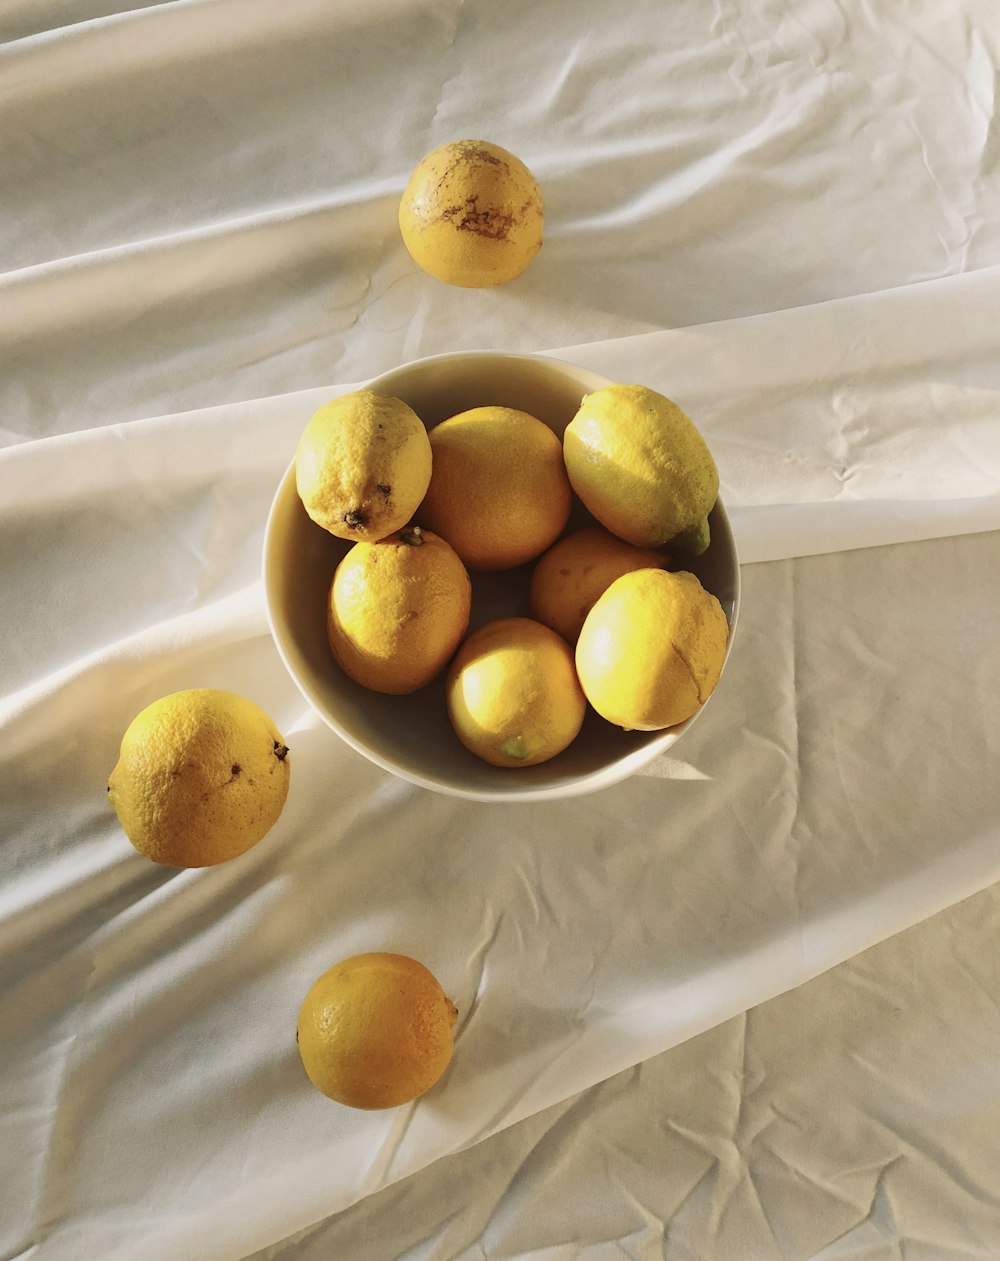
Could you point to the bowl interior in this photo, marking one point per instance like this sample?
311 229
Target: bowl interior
411 735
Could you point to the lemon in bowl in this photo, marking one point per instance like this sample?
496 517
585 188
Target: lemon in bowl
412 735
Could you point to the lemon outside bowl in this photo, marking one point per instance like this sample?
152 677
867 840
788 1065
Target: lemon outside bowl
411 736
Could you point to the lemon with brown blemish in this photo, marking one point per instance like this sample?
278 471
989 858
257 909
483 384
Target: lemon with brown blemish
642 468
472 214
362 465
375 1031
201 777
652 649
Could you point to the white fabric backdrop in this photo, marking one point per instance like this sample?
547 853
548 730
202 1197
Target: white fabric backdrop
199 244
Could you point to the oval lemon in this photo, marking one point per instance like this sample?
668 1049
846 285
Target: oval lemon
642 468
362 465
651 649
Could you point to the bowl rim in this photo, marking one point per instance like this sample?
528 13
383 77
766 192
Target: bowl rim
605 776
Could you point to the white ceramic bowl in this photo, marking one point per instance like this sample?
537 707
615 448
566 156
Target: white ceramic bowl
411 735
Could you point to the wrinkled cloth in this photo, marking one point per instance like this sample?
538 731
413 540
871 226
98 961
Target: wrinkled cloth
786 221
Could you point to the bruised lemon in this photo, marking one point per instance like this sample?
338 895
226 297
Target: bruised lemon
362 465
652 649
202 776
577 569
513 695
498 491
472 214
398 610
642 468
375 1031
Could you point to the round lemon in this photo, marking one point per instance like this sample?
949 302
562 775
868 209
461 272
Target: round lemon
362 465
398 610
471 214
577 569
652 649
201 777
513 695
498 491
375 1031
642 468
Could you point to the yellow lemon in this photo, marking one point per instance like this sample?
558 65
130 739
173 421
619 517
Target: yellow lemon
577 569
375 1031
652 649
201 777
513 695
362 465
498 491
472 214
398 610
642 468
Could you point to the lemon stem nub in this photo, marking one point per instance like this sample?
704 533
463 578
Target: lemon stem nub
412 535
280 750
514 747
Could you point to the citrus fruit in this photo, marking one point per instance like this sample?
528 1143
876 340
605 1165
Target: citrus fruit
398 610
641 467
471 214
652 649
362 465
498 491
375 1031
513 695
201 777
575 570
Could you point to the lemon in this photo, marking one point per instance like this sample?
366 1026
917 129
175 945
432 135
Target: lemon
201 777
513 695
577 569
641 467
375 1031
471 214
652 649
498 492
398 610
362 465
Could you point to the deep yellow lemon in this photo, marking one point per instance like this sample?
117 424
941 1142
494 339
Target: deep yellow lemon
375 1031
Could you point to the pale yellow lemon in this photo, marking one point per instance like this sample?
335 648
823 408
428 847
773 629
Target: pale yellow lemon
642 468
472 214
201 777
578 568
651 649
375 1031
397 610
362 465
498 491
513 695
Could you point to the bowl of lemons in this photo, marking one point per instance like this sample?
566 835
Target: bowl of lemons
502 577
